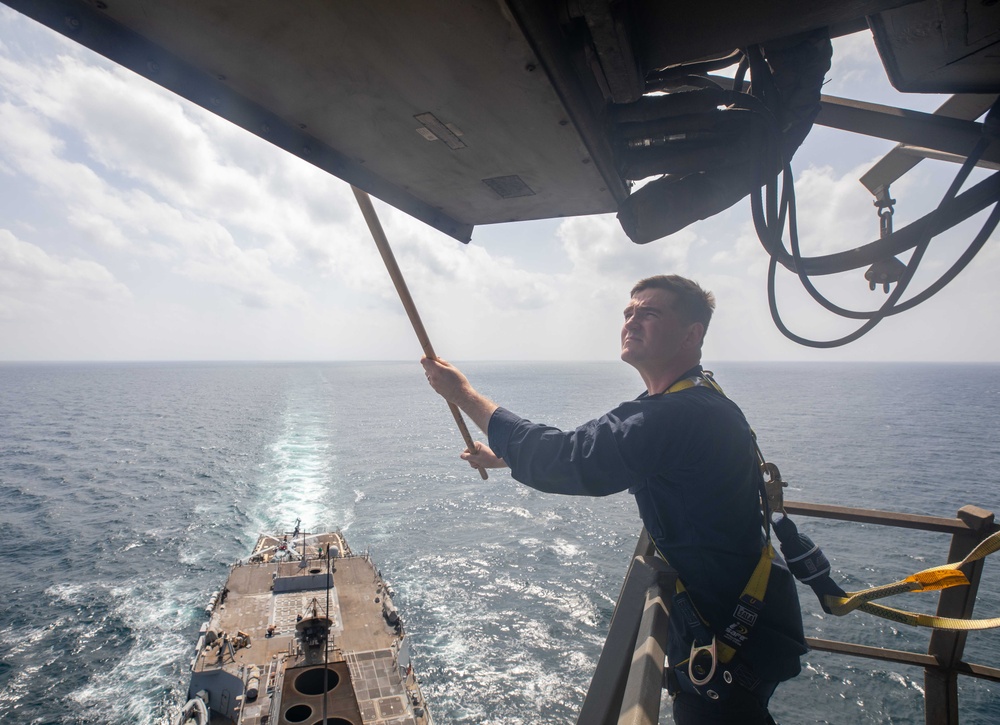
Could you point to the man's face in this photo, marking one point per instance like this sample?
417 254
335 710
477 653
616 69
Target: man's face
652 334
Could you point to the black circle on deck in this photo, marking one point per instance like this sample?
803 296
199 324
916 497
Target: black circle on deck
298 713
317 681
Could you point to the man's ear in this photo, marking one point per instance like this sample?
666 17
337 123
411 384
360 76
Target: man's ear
695 336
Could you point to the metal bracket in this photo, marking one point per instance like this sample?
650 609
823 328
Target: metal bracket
773 486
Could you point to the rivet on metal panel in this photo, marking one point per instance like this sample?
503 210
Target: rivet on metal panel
153 66
73 22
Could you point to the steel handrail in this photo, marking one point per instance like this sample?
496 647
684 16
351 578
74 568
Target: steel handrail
627 682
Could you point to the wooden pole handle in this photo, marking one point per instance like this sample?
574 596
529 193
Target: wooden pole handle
375 227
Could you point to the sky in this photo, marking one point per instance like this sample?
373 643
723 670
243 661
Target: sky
135 226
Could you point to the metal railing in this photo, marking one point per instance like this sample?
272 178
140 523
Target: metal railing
627 684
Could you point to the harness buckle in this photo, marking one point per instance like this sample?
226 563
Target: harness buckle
701 662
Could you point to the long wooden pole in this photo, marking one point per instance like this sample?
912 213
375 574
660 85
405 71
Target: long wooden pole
368 211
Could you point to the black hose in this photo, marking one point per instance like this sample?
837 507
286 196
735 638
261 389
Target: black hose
676 72
892 306
769 216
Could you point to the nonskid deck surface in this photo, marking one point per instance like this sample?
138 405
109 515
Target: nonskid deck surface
362 675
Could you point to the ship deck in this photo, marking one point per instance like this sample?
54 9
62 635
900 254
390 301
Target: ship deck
253 625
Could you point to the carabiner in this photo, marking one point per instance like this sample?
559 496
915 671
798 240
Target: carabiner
702 660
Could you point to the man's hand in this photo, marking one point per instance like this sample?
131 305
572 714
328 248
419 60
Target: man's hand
449 382
483 457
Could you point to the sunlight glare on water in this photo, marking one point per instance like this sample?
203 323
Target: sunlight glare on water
130 489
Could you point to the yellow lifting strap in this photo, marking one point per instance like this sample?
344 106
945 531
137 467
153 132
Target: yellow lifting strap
915 619
928 580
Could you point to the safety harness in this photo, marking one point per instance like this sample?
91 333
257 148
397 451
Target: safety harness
809 565
710 650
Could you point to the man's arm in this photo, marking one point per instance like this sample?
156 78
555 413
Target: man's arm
586 461
449 382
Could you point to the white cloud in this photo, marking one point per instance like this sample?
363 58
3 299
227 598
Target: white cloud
31 279
187 200
234 249
854 67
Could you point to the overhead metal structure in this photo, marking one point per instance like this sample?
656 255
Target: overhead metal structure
469 112
482 111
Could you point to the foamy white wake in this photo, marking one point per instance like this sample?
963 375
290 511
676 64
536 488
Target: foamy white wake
299 481
155 614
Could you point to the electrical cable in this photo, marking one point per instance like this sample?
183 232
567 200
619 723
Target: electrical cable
769 216
674 73
918 253
892 305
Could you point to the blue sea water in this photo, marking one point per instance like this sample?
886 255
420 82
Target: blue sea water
127 489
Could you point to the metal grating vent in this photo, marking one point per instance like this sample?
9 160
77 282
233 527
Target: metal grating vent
509 187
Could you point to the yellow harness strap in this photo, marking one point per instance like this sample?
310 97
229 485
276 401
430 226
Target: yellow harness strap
757 584
703 380
928 580
755 588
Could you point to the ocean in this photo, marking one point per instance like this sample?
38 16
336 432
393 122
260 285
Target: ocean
126 490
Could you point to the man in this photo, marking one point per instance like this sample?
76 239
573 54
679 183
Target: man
686 453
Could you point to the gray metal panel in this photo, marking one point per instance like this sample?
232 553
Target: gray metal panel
941 47
342 83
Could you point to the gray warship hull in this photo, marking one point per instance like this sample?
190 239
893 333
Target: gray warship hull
304 631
